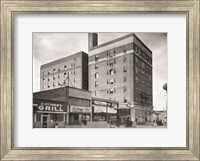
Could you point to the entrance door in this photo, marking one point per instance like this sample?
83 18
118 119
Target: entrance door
44 121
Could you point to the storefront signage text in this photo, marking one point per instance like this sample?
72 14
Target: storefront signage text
80 109
52 107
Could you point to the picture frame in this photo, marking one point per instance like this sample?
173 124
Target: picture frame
190 8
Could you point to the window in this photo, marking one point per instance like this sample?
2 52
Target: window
65 67
74 72
54 70
124 59
48 72
96 66
107 81
125 69
111 71
38 117
48 79
96 84
58 69
136 70
74 64
74 59
143 64
43 87
125 99
43 79
136 79
124 78
48 85
58 76
65 75
96 58
71 64
59 83
96 93
111 91
71 72
124 48
43 73
111 81
125 89
54 77
96 75
74 80
54 84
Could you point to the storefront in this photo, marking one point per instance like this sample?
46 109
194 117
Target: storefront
49 113
103 109
79 114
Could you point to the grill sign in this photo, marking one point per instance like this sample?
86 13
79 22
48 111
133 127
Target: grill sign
52 107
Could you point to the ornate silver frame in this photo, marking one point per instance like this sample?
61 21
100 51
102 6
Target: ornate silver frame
190 7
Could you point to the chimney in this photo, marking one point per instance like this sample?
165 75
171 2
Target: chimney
92 40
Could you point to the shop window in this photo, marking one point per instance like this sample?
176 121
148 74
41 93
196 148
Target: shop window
96 75
56 117
96 58
38 117
96 84
65 67
125 99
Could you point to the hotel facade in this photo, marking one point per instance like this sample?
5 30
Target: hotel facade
69 71
121 70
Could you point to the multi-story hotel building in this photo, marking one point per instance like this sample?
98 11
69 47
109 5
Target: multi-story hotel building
121 70
69 71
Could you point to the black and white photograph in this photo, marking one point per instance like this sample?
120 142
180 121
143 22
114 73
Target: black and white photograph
99 80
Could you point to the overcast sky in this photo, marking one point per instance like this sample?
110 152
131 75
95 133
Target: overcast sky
48 47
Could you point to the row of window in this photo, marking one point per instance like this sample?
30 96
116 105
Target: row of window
142 101
54 84
58 69
111 72
142 54
58 76
111 62
138 90
111 53
138 80
143 64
